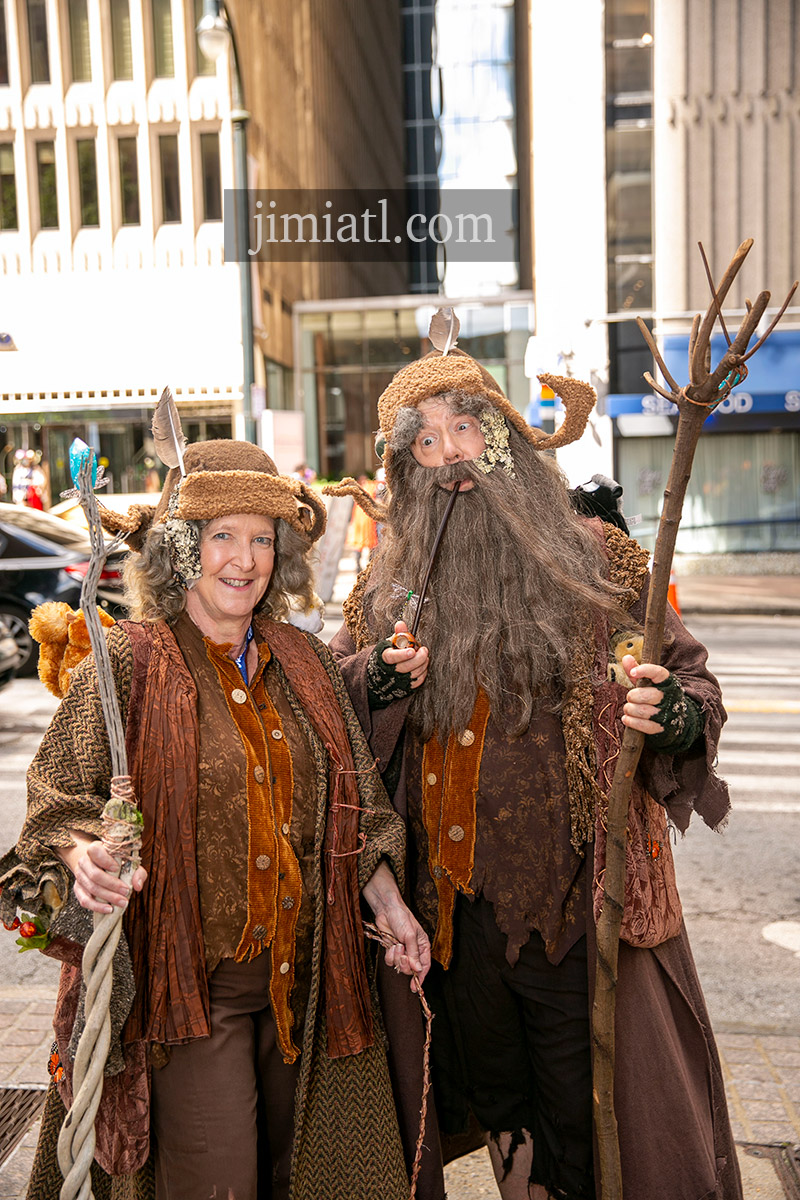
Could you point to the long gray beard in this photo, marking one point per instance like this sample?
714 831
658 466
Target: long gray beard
517 575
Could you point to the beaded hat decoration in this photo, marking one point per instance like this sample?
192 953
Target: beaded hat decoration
213 479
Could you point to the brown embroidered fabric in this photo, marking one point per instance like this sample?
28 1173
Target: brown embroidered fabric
346 988
255 879
652 910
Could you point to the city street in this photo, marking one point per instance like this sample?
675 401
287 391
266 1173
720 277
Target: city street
740 889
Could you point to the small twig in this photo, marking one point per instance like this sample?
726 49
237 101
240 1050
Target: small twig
387 940
710 279
764 336
656 353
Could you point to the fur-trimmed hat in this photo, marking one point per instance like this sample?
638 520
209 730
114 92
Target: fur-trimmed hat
216 479
447 369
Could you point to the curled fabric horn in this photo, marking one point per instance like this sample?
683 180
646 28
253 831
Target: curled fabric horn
349 487
311 512
579 399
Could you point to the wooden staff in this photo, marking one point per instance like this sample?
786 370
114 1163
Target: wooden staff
695 401
122 838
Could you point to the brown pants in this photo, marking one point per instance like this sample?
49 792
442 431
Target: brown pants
223 1107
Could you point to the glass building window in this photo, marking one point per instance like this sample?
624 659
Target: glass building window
122 55
212 183
8 188
170 178
128 180
80 53
203 64
37 41
87 181
3 46
163 54
46 180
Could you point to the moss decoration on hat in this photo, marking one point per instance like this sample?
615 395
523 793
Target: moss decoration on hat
216 479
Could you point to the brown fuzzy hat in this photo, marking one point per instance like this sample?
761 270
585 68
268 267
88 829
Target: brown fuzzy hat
436 374
221 478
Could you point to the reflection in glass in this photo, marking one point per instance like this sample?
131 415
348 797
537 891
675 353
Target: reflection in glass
163 56
170 178
8 188
87 181
37 41
212 184
121 39
128 180
203 64
80 53
46 179
3 46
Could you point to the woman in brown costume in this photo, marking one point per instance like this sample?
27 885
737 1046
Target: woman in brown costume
232 1071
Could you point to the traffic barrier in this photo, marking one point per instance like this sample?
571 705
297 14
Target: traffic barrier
672 592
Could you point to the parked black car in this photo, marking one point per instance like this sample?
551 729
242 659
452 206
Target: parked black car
44 558
10 656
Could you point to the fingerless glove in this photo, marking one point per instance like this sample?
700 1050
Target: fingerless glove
682 719
384 684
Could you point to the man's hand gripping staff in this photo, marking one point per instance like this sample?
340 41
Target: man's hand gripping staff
695 401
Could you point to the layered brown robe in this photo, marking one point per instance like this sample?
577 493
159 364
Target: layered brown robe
675 1137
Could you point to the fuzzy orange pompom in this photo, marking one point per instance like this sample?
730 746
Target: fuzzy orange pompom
64 641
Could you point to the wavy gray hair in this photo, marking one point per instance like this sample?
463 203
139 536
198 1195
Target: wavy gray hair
154 593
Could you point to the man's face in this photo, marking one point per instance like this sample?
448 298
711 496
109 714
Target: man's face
447 438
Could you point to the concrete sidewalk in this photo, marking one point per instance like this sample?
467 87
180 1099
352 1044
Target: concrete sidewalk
762 1075
739 595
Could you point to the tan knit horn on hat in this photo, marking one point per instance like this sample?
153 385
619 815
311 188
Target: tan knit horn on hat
216 479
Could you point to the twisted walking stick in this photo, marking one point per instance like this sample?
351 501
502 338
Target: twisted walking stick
705 390
122 838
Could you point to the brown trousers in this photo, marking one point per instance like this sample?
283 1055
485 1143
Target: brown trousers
223 1107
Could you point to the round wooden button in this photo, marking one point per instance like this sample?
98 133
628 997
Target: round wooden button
260 774
431 779
467 737
455 833
238 696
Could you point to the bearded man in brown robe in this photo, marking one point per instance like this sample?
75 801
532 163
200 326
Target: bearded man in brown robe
497 733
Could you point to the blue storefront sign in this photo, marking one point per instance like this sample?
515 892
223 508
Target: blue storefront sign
772 385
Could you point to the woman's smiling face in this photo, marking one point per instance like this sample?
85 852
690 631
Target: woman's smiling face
237 555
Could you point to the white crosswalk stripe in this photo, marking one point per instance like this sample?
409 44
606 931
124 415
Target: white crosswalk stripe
759 753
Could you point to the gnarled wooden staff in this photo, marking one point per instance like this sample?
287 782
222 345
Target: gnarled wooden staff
122 838
705 390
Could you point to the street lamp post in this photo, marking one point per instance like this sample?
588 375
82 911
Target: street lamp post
215 35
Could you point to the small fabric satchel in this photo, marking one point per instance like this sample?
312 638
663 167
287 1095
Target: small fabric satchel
652 908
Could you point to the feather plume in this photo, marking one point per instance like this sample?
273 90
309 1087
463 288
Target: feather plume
443 331
167 433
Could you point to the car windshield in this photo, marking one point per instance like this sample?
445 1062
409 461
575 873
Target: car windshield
42 524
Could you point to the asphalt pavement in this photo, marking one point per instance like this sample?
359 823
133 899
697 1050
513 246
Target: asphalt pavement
762 1069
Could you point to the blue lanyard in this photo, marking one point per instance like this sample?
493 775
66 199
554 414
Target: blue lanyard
240 661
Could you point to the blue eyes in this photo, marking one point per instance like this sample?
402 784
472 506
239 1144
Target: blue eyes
222 536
